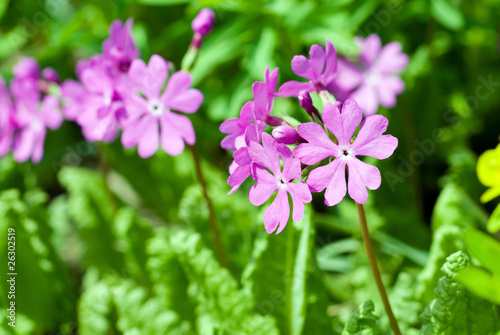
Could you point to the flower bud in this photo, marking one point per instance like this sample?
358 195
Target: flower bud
203 22
50 74
307 103
285 135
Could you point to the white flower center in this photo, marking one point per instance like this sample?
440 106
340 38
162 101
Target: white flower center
36 124
372 78
345 153
155 107
107 98
281 182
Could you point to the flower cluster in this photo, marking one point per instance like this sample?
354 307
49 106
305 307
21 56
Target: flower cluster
115 91
27 110
317 155
374 81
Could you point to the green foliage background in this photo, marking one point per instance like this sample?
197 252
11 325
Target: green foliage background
128 250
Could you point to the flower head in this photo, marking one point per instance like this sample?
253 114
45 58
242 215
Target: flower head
342 121
32 118
375 81
150 108
95 104
120 47
253 112
271 177
320 69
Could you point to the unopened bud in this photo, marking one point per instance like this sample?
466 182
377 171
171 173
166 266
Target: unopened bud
50 74
285 135
307 103
204 21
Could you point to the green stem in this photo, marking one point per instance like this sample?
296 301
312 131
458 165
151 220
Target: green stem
102 162
189 59
219 248
375 271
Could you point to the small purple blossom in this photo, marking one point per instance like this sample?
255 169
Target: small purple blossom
32 118
375 82
320 69
240 168
120 47
149 108
253 112
342 121
266 159
96 105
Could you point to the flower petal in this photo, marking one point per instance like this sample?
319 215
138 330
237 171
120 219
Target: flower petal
330 64
178 96
319 147
317 61
277 213
388 88
337 188
300 194
371 142
366 97
292 88
362 176
175 129
263 190
343 125
238 176
302 67
150 142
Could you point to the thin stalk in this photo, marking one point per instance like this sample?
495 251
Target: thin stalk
219 248
375 271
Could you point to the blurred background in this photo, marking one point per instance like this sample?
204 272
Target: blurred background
109 243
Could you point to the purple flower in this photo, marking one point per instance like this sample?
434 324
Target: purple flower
6 122
376 81
240 168
268 157
149 108
253 112
32 119
120 47
96 105
320 69
203 22
368 142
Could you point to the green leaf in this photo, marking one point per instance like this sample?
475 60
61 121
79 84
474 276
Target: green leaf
87 194
36 263
455 311
446 240
362 321
483 247
222 306
494 221
481 283
298 286
447 14
455 207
